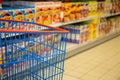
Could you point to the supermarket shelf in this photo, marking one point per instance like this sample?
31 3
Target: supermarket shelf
73 49
84 19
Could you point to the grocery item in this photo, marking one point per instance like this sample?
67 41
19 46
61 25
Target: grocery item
67 12
18 14
78 11
6 14
56 13
29 14
44 11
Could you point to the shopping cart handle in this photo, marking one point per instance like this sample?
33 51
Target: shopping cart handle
56 29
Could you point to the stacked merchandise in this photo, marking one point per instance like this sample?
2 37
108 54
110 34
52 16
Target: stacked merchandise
80 33
18 14
80 10
73 35
52 12
88 31
48 12
107 26
38 12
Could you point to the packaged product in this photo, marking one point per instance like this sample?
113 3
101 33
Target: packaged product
93 5
56 14
84 9
18 14
86 32
78 11
67 12
29 14
107 8
73 11
44 11
6 14
81 34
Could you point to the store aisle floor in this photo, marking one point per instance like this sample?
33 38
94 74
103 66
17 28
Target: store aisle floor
99 63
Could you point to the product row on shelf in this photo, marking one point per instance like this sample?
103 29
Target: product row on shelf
88 31
53 12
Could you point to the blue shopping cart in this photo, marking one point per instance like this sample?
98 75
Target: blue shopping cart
30 51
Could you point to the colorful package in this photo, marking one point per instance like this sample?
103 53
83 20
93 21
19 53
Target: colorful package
29 14
78 10
72 14
67 11
6 14
18 14
84 9
44 12
56 14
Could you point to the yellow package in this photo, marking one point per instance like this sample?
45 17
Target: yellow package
18 15
39 14
44 12
92 8
56 15
29 14
92 31
67 11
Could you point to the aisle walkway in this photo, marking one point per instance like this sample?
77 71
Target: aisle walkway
99 63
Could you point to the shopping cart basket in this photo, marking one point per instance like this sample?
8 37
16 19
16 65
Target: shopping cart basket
30 51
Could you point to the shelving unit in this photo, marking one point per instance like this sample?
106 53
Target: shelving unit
84 19
73 49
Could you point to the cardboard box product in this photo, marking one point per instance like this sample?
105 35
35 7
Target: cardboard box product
6 14
29 14
84 9
18 14
67 11
73 11
78 11
92 8
56 14
44 12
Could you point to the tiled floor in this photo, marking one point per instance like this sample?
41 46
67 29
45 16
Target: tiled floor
99 63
